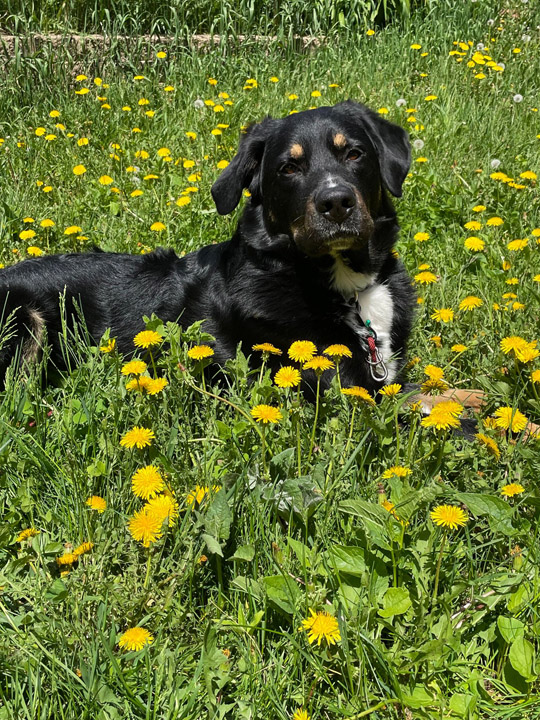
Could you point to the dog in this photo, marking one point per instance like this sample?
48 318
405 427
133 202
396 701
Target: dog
312 258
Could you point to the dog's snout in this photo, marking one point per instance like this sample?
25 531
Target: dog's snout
336 204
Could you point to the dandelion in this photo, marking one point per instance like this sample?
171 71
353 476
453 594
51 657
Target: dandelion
139 383
471 302
139 437
157 226
425 278
512 489
147 482
145 528
195 497
443 416
106 180
27 234
535 376
444 315
155 385
434 372
287 377
25 534
390 390
509 419
134 367
396 471
319 364
68 558
513 343
338 351
135 639
449 516
79 170
322 626
301 714
479 208
302 350
495 221
95 502
34 251
475 244
200 352
516 245
163 507
266 414
147 338
359 393
517 98
83 548
266 348
489 444
473 225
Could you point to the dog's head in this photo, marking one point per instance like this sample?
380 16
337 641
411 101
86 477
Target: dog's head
319 175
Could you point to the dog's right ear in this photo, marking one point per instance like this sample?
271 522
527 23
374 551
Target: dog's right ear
243 170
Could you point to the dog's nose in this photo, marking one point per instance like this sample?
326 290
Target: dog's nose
335 204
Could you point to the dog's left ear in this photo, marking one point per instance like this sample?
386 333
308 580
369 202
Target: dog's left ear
391 142
243 170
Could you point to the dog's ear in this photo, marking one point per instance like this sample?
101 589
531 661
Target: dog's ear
391 143
243 170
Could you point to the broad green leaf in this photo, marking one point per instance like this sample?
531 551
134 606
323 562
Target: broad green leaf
244 552
396 601
373 517
212 545
462 705
57 591
348 559
218 517
521 657
510 628
519 598
498 511
282 592
248 586
301 551
419 698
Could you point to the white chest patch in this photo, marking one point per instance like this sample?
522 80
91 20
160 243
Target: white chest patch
374 303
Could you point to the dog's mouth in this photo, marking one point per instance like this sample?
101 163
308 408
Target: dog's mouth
322 238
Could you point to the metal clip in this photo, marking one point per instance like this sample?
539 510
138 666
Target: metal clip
374 364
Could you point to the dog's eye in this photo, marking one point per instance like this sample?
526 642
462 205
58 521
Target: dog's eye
355 154
289 169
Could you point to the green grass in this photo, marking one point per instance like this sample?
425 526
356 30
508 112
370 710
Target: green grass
276 542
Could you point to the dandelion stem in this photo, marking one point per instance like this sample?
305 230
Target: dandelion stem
148 566
263 449
312 441
153 363
436 588
350 431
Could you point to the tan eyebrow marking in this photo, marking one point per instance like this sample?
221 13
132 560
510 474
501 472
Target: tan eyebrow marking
296 151
340 140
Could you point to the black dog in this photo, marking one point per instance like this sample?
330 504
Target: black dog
311 258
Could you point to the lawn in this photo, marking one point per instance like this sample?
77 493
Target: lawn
164 553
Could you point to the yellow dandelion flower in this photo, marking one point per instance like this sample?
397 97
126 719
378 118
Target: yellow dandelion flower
322 626
444 415
396 471
68 558
494 221
139 437
510 419
106 180
473 225
266 414
301 714
147 482
338 351
27 234
425 278
479 208
528 175
302 350
183 201
163 507
135 639
475 244
390 390
196 496
96 503
139 383
34 251
147 338
434 385
513 343
266 348
72 230
83 548
449 516
421 236
287 377
25 534
535 376
359 393
489 444
156 385
434 372
517 245
145 528
319 363
200 352
158 226
444 315
134 367
46 223
471 302
512 489
79 170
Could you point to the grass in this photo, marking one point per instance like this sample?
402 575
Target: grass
433 622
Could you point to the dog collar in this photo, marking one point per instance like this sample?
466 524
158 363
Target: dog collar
377 366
